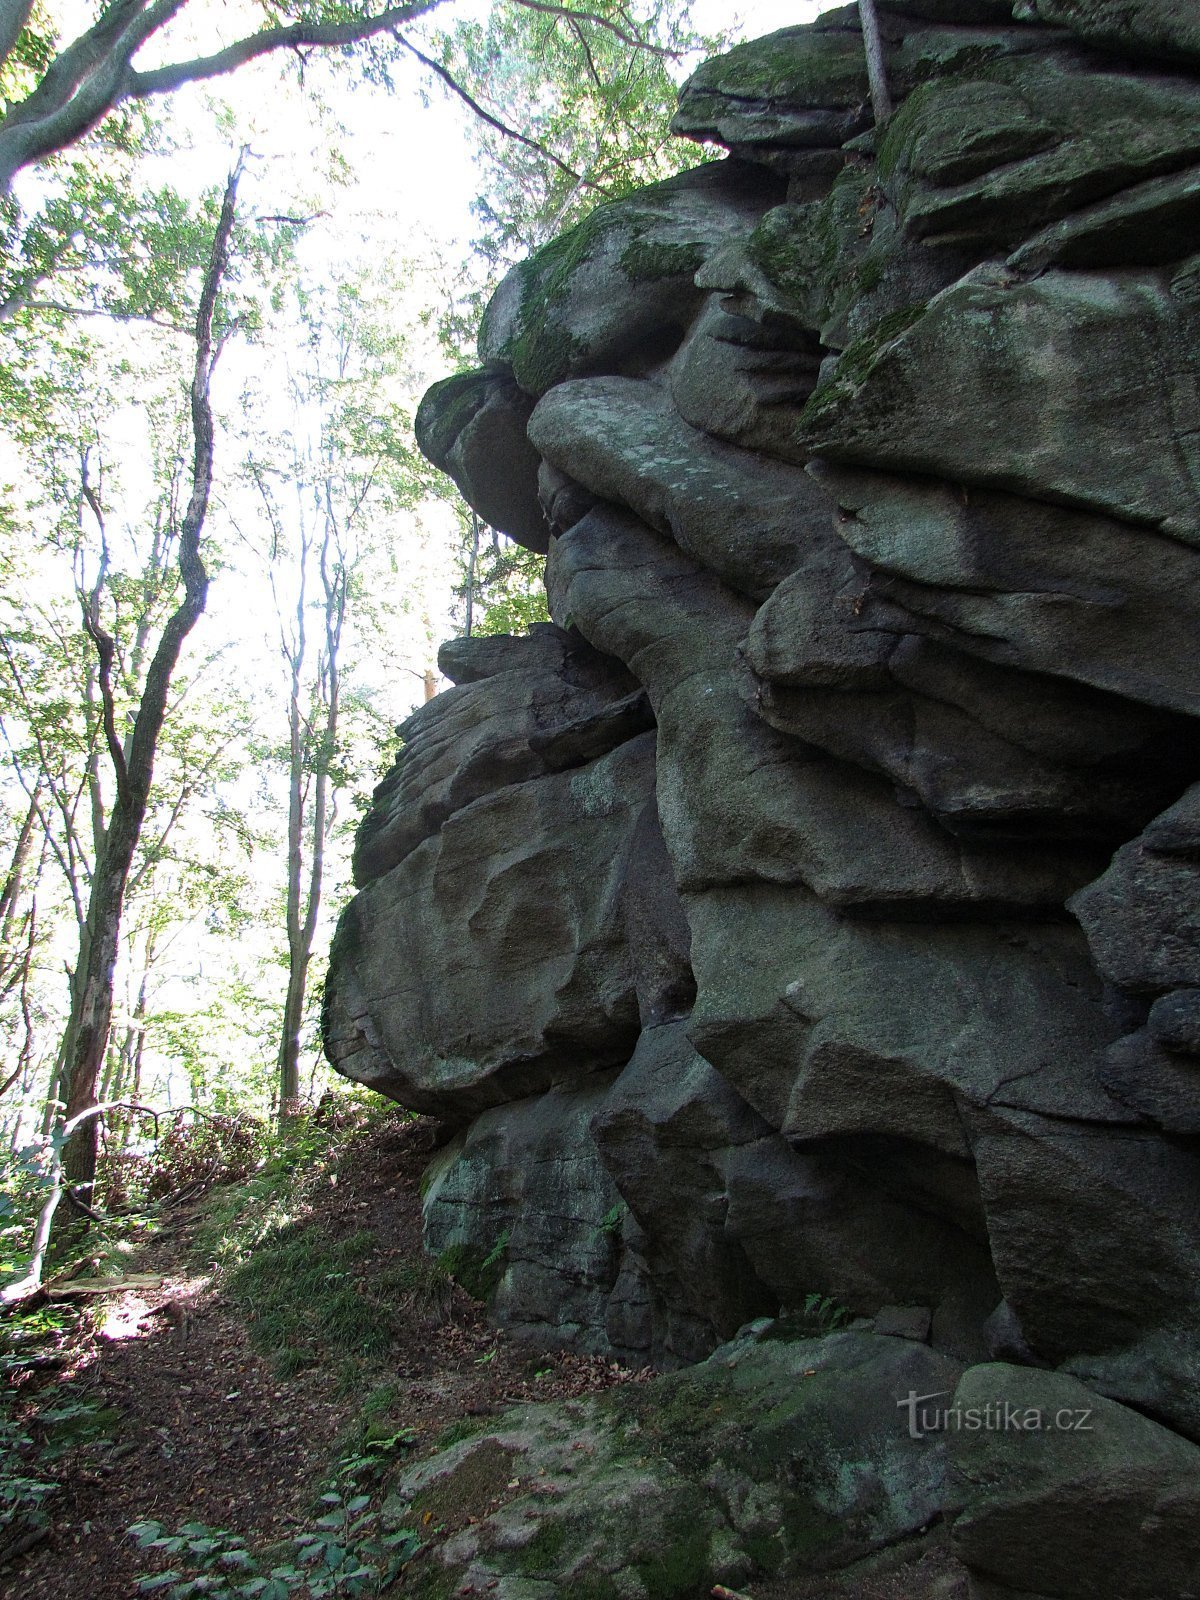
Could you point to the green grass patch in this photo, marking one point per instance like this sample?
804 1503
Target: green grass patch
302 1303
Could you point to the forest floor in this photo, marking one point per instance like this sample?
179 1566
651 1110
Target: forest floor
187 1399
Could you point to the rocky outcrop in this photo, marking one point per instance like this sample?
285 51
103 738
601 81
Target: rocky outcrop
810 915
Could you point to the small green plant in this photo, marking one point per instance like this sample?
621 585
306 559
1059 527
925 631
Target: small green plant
478 1274
613 1219
23 1496
73 1423
424 1286
298 1290
39 1439
344 1552
820 1311
497 1253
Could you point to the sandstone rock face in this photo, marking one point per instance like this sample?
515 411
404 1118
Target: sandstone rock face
808 921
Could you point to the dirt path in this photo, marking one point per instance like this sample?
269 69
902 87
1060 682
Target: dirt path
201 1427
198 1426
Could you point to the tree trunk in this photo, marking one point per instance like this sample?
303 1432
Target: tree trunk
11 894
303 903
881 100
293 1018
86 1038
92 1015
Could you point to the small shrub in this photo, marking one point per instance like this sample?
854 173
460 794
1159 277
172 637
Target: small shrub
195 1155
23 1490
344 1552
824 1313
613 1220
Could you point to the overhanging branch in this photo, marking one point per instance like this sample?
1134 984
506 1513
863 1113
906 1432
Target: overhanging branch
486 116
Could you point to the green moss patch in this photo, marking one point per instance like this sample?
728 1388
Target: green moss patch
855 365
647 261
795 67
476 1270
445 410
473 1488
680 1418
542 350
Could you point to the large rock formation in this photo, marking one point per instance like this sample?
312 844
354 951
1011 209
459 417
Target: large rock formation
810 915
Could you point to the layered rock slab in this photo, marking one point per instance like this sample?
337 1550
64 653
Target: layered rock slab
490 960
835 921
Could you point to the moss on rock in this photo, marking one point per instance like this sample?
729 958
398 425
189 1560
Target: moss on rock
855 364
445 410
796 65
469 1490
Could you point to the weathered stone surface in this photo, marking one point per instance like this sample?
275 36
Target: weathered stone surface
739 801
665 1133
1155 1081
1075 1497
1074 348
1162 28
805 88
490 963
998 153
1174 1021
1029 584
935 724
518 1203
796 88
810 922
747 520
1147 225
750 361
522 708
473 427
618 285
780 1453
1142 917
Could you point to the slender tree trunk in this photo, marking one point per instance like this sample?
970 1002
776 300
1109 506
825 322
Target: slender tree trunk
293 1003
18 979
91 1017
92 998
303 903
881 100
471 573
11 894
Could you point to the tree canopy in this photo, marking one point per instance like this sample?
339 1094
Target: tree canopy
329 549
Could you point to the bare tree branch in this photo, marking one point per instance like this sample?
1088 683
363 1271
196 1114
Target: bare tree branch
103 640
10 307
21 1292
606 23
14 14
495 122
95 74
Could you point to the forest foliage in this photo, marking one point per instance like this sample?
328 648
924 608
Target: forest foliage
331 553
